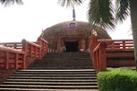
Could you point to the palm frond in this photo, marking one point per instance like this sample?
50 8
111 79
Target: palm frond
122 9
9 2
69 2
101 13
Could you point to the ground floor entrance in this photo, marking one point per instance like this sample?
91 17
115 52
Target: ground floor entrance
72 46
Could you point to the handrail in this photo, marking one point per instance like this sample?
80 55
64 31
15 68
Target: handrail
32 51
44 45
121 44
43 40
96 48
3 48
31 43
11 57
95 59
15 45
99 56
99 51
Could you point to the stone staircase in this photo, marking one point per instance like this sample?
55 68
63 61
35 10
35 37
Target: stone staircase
67 60
51 80
41 77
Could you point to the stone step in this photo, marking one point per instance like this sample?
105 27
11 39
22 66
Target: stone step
39 89
59 67
37 77
53 72
68 54
53 83
58 70
53 75
50 86
56 74
67 57
68 60
61 64
76 76
51 80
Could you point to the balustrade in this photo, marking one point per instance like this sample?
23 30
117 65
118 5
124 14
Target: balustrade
11 58
98 49
20 54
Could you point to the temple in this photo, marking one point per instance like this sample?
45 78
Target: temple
65 57
71 36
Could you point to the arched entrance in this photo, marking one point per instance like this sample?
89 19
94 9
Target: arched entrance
72 46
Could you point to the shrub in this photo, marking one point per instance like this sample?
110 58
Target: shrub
119 79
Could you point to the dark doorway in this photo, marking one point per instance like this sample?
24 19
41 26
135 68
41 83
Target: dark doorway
71 46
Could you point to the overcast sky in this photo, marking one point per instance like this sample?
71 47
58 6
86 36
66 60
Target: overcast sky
27 21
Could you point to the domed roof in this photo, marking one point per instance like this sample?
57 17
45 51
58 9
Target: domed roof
74 28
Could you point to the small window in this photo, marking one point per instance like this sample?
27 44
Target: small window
72 25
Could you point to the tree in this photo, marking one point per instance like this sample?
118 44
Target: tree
7 2
69 2
102 13
133 10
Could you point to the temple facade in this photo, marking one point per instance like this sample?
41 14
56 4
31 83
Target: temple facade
71 36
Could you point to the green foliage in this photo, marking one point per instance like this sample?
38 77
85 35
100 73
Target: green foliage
122 9
101 13
69 2
119 79
106 13
10 2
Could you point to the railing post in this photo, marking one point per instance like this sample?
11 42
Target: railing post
102 56
24 48
93 43
124 44
44 46
31 51
16 61
24 45
23 60
7 59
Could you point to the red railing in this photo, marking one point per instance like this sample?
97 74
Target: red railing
44 45
121 44
20 55
98 54
32 51
11 58
15 45
99 47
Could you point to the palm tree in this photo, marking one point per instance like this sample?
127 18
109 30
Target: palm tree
103 13
7 2
133 10
69 2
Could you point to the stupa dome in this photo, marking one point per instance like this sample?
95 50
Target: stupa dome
71 30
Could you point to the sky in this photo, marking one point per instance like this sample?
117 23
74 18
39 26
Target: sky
27 21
